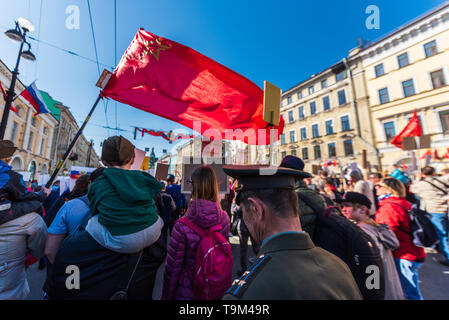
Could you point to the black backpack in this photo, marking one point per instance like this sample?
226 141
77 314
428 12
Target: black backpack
422 231
351 244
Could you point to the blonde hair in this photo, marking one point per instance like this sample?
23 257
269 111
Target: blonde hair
205 185
395 186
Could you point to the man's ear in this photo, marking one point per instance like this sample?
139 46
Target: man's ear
257 207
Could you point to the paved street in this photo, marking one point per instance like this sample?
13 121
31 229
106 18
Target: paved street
434 277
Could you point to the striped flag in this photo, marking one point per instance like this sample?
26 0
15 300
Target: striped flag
33 96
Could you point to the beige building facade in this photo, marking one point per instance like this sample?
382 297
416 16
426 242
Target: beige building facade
405 71
327 119
33 135
83 154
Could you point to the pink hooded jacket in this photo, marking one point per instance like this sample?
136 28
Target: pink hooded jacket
180 264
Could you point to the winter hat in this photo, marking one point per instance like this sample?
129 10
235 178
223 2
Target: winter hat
117 150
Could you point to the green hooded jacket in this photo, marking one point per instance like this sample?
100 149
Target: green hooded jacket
124 200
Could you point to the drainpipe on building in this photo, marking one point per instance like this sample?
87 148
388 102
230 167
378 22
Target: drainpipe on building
355 112
55 160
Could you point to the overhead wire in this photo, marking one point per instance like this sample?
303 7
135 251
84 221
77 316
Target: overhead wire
115 53
38 42
69 52
98 65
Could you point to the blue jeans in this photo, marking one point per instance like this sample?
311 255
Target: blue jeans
408 274
440 221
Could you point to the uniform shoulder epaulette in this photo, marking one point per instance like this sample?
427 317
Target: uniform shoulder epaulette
240 285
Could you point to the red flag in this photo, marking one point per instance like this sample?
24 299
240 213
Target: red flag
446 155
173 81
4 97
428 153
412 129
403 165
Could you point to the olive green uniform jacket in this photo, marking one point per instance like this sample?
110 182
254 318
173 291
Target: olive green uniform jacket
290 267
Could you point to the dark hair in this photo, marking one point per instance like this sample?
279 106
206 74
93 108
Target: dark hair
428 171
205 185
279 201
81 186
96 173
377 174
324 173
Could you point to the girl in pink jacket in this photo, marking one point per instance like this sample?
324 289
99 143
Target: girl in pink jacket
204 210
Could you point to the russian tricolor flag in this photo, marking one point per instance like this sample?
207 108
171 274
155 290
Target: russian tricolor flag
33 96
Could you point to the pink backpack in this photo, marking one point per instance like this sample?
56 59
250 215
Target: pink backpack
213 263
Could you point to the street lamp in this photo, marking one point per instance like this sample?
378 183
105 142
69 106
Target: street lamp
153 158
18 34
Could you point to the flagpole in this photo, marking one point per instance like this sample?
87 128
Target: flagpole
72 144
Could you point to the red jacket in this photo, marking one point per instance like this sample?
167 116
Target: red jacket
398 220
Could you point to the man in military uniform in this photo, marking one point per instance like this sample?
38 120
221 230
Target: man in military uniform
289 266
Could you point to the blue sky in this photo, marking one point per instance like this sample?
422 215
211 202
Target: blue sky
282 41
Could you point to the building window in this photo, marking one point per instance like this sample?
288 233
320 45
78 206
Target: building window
379 69
329 127
290 116
283 154
390 131
303 133
341 97
15 128
431 48
340 76
444 118
301 113
305 154
19 110
30 141
289 100
403 60
317 152
349 150
292 136
323 83
299 95
283 139
45 130
42 147
383 96
408 87
33 121
311 89
293 152
345 125
315 131
438 80
326 103
332 149
312 107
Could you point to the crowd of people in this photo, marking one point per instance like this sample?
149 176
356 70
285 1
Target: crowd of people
313 237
